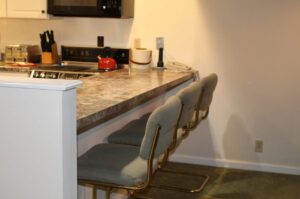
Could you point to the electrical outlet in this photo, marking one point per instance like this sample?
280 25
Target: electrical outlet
100 41
259 146
159 42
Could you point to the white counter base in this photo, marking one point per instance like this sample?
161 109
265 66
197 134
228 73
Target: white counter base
38 138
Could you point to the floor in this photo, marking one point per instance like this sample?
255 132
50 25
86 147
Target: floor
225 184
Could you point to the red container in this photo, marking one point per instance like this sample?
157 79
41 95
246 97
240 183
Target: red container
106 63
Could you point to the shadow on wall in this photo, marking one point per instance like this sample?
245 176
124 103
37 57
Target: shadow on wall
254 48
192 151
238 145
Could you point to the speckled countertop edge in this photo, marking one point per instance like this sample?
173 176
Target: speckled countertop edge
108 95
19 69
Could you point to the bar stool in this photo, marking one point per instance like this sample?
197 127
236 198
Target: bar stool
130 134
208 85
195 99
128 167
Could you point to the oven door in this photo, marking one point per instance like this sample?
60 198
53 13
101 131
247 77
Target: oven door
88 8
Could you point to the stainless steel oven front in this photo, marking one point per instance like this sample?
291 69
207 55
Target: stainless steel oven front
52 74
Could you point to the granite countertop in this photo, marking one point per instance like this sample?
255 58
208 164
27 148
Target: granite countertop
8 68
107 95
27 69
104 96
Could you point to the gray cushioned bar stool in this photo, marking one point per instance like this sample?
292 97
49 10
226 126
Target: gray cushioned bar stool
196 99
189 97
208 85
129 167
131 134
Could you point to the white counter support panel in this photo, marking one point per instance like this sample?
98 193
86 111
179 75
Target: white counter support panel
38 138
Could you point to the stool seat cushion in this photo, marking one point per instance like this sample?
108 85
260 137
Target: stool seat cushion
131 134
113 164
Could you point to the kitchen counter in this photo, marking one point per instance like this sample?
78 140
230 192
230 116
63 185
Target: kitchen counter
7 68
107 95
104 96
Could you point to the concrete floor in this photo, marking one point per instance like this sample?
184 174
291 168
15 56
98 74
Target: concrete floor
225 184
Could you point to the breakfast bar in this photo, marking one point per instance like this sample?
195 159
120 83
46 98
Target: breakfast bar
104 96
107 101
50 141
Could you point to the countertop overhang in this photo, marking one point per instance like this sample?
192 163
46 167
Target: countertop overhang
107 95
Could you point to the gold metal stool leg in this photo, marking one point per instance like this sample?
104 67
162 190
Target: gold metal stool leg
107 193
94 192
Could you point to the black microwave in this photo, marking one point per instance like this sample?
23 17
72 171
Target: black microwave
92 8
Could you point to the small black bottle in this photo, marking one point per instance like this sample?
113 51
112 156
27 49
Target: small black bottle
160 62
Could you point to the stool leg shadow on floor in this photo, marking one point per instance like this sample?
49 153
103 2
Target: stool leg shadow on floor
225 183
175 183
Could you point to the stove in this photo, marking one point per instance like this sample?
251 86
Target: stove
50 74
79 62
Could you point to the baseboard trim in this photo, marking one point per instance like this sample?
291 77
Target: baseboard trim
236 164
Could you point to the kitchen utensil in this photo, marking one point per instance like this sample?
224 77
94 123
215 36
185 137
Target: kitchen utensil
141 58
106 63
50 36
22 53
47 58
160 62
53 46
160 46
49 45
43 42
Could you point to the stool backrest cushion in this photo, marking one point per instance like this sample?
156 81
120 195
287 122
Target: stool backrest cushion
166 117
209 84
189 97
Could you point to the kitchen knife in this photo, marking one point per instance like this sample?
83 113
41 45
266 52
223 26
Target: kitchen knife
48 41
43 42
55 58
52 36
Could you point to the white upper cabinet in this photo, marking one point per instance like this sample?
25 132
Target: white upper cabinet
26 9
2 8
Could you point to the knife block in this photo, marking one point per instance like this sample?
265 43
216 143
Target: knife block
47 58
55 58
50 57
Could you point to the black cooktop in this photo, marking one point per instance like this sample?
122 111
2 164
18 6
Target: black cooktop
70 68
66 68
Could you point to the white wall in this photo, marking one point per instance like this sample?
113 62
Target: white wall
253 46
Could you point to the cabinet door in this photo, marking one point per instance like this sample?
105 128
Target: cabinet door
27 9
2 8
